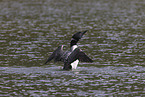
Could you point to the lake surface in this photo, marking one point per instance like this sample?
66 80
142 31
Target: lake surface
30 30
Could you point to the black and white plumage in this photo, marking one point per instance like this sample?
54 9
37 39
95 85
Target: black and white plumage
72 57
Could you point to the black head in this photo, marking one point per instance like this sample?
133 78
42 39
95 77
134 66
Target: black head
78 35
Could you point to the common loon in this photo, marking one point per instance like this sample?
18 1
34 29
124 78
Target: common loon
72 57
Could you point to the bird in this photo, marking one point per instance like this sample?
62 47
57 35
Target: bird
71 57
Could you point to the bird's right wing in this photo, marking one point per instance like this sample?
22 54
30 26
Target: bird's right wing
55 55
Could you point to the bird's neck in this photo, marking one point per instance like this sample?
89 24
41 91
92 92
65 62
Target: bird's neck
73 42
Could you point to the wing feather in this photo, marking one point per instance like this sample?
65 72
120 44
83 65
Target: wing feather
78 54
84 58
55 55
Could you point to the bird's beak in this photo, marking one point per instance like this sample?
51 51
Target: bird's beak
84 32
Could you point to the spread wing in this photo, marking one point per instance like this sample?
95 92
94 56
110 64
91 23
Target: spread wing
55 55
78 54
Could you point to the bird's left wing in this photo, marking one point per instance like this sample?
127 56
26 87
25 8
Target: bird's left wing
78 54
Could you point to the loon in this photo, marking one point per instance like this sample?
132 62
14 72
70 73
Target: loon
72 57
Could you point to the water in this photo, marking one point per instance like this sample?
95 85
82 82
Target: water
31 30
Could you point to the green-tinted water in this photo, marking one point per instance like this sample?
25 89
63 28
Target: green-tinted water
30 30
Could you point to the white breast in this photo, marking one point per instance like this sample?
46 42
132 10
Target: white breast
73 48
75 64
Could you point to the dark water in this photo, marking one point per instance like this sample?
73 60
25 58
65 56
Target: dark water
30 30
